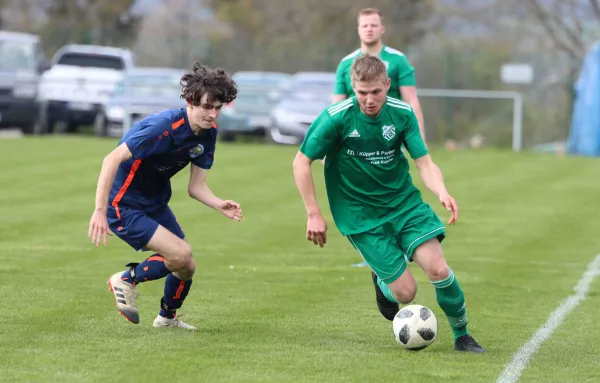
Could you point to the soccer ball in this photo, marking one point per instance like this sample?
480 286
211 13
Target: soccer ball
414 327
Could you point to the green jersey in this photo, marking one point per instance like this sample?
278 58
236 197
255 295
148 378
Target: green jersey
400 72
366 173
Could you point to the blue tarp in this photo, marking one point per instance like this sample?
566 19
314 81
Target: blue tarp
584 138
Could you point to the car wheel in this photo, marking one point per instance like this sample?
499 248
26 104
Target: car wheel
42 124
28 128
100 125
227 137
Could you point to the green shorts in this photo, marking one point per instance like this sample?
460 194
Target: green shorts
388 248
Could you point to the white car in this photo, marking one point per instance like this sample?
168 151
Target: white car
81 79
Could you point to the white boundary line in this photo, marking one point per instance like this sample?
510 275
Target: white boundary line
512 371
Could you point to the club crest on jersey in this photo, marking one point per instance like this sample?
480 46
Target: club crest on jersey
196 151
388 131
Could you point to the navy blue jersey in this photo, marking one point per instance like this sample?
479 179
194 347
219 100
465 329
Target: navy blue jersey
162 144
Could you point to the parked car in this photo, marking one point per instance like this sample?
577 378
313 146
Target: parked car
81 79
21 63
142 91
248 114
309 93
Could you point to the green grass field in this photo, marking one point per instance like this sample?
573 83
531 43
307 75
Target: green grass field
272 307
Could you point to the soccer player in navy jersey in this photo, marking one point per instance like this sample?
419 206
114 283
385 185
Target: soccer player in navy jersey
134 190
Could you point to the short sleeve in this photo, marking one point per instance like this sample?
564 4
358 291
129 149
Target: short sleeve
206 159
412 138
154 137
340 80
321 137
406 73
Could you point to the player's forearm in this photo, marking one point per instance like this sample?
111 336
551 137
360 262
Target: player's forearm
306 187
202 193
433 179
110 165
419 115
416 105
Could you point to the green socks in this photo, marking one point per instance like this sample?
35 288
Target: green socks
386 291
451 299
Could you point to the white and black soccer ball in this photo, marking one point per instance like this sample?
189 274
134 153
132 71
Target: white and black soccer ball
415 327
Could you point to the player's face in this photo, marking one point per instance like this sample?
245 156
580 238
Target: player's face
370 29
371 95
205 114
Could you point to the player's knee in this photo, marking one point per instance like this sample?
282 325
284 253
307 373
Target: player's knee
406 294
191 267
181 258
438 271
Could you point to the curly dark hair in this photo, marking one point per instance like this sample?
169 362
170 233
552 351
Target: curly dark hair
215 83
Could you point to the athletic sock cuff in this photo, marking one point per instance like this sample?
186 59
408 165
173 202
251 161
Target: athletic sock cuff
445 282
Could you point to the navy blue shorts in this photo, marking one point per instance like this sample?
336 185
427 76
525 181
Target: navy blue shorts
136 227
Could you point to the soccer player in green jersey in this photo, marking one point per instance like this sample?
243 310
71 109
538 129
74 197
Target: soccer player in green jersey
399 69
372 198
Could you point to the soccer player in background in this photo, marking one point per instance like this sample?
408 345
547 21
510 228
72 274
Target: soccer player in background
372 198
134 190
399 69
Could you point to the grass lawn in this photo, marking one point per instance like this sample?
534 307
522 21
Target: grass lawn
272 307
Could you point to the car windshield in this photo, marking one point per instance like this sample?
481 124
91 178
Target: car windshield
311 90
311 93
89 60
143 86
16 55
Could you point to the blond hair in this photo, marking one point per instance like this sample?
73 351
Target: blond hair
369 12
368 68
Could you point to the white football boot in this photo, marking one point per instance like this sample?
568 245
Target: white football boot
124 293
162 322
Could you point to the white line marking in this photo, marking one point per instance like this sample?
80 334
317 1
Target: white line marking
513 370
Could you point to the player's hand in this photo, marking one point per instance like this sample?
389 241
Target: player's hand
231 209
316 230
450 204
99 231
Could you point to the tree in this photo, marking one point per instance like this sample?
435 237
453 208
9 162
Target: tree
551 35
308 34
101 22
567 22
177 34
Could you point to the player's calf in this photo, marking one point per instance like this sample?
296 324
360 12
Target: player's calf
176 290
151 269
449 294
178 259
